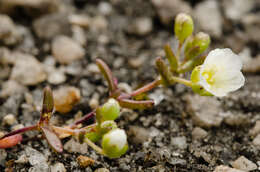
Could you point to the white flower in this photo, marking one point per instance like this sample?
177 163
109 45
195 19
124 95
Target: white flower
221 72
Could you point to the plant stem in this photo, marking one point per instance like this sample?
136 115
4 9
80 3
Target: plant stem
181 81
94 146
146 88
83 119
22 130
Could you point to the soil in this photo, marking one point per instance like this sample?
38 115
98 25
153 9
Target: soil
154 150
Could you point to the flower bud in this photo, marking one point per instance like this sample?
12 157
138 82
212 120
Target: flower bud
106 126
114 143
109 111
183 27
196 45
93 136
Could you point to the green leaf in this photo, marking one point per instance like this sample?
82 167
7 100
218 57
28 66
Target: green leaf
171 58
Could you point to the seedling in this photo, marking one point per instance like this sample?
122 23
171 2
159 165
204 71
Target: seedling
216 74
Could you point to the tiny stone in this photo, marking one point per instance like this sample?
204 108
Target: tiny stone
56 76
78 35
48 26
20 71
141 26
212 22
58 167
167 9
256 140
17 127
3 156
205 111
179 142
11 87
256 129
74 146
253 65
94 102
37 160
84 161
99 23
80 20
235 9
125 87
66 50
22 159
92 68
105 8
65 98
102 170
236 119
1 134
138 135
223 168
9 119
242 163
198 133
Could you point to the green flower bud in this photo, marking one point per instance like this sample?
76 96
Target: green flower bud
93 136
114 143
106 126
196 87
109 111
196 45
183 27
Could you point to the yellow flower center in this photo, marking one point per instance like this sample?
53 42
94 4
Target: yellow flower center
208 74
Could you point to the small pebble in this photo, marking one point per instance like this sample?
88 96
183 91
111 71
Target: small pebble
58 167
138 134
66 50
75 147
2 134
198 133
256 140
20 71
223 168
80 20
256 129
94 102
9 119
179 142
99 23
142 26
102 170
65 98
242 163
105 8
17 127
22 159
85 161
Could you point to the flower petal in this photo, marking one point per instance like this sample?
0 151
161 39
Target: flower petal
223 59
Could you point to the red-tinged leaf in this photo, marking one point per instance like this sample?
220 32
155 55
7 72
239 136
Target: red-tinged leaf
10 141
132 104
104 69
52 138
47 105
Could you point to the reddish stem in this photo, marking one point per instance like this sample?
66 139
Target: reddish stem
141 90
83 119
22 130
